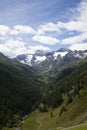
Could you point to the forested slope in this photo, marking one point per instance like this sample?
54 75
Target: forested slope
20 91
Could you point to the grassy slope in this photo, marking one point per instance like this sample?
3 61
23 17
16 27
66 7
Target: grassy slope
31 122
80 128
76 114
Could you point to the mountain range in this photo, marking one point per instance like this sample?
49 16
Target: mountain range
46 61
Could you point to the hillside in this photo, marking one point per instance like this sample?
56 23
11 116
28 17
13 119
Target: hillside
20 91
76 113
69 81
70 86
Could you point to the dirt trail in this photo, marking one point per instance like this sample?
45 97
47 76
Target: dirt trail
74 127
18 128
40 121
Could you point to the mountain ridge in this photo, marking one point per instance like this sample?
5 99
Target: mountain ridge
43 61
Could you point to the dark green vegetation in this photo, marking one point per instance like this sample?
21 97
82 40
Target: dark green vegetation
22 90
67 82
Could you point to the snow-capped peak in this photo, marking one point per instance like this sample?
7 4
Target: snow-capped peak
40 59
64 50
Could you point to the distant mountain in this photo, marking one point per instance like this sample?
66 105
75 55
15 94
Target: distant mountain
47 61
2 56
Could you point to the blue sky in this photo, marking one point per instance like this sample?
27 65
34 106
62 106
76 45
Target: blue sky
29 25
34 12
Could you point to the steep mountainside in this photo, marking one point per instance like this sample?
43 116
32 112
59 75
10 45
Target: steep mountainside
20 91
70 79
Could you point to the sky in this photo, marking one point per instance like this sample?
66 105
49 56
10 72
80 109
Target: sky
48 25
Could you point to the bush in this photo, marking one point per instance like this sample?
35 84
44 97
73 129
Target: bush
63 109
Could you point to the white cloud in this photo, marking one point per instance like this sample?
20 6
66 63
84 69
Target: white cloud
12 48
20 29
49 27
81 11
3 38
73 26
45 34
14 32
32 49
78 24
81 46
13 44
46 40
75 39
79 20
4 30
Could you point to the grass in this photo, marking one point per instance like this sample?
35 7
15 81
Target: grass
76 114
30 122
76 111
40 121
80 128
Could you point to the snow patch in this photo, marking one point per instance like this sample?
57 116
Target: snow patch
29 58
85 54
79 56
62 54
40 58
23 62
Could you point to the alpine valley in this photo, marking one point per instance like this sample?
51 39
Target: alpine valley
44 90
